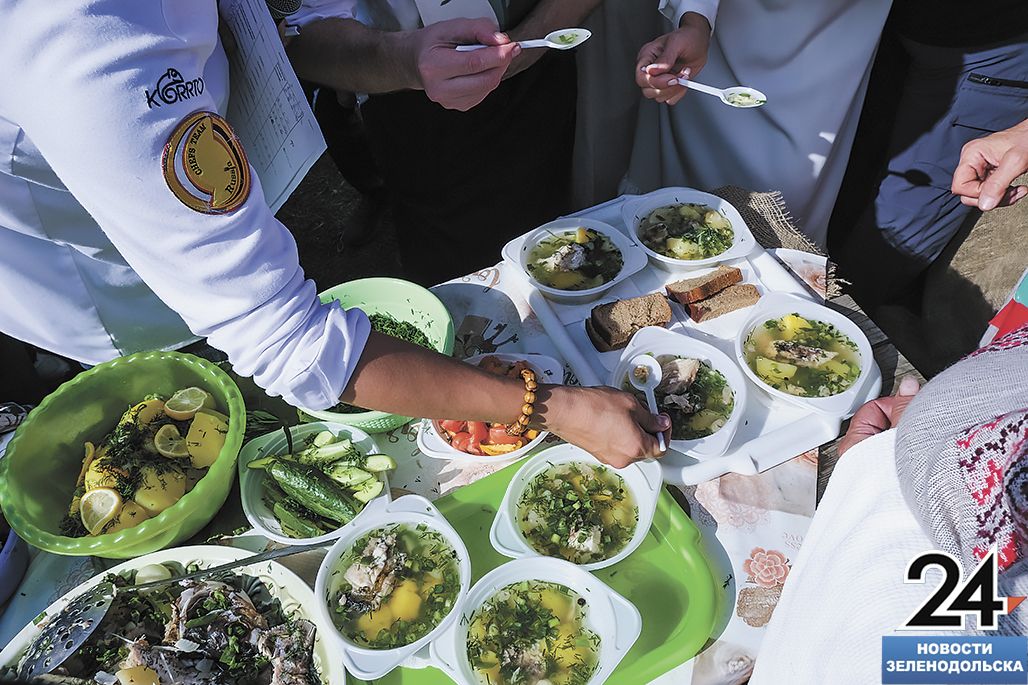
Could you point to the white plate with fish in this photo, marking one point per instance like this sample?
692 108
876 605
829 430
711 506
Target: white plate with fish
206 617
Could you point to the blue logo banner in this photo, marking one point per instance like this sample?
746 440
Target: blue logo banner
959 660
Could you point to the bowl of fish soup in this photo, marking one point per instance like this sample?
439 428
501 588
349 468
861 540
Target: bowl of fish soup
392 584
805 353
571 627
564 503
702 389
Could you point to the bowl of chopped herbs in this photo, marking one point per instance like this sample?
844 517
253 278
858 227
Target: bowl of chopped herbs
398 308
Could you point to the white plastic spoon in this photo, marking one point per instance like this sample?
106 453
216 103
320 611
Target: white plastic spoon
562 39
645 375
742 97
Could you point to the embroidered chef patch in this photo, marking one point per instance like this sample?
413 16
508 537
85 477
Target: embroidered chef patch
205 165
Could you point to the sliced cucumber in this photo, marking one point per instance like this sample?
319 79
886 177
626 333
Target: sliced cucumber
324 438
368 490
379 462
347 476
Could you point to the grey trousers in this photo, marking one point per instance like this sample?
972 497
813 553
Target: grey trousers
951 96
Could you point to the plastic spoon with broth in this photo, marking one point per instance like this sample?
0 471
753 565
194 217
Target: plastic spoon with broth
645 375
562 39
742 97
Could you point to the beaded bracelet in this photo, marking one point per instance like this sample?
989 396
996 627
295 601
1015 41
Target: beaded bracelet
521 425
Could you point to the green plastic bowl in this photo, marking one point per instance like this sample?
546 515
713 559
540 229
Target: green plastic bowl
404 301
38 472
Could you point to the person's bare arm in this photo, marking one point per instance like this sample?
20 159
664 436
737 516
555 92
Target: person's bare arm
401 378
547 16
349 56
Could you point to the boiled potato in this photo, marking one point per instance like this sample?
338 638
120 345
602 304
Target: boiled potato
100 474
405 602
689 212
774 371
160 490
371 624
559 604
841 368
683 249
137 675
215 413
131 515
205 439
143 413
716 220
791 325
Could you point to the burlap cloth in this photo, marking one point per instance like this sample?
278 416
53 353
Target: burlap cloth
772 226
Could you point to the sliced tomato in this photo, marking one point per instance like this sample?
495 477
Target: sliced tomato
461 441
479 430
498 436
453 426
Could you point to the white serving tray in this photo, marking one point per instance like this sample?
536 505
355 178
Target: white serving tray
773 431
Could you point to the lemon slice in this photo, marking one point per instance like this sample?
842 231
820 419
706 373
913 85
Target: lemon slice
170 443
98 508
184 404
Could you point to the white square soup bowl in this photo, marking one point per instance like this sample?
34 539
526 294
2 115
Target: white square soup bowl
643 479
634 211
659 342
633 260
414 510
612 617
776 305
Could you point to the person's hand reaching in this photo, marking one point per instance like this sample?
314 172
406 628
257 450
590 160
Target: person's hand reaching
879 415
609 424
679 54
988 166
461 80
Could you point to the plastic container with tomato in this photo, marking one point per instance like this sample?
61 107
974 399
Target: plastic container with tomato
479 440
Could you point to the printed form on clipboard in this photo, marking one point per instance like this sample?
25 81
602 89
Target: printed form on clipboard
267 108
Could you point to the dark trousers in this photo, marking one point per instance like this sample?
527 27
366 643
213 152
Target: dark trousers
462 184
950 97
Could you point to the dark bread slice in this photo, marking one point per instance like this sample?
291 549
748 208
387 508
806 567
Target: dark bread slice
599 343
695 289
613 324
728 300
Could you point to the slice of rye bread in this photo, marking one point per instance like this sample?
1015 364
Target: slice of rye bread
695 289
728 300
612 325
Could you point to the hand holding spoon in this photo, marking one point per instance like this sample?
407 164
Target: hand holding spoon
742 97
561 39
645 374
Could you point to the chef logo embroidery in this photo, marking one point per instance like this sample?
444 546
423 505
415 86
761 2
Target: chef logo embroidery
172 88
205 166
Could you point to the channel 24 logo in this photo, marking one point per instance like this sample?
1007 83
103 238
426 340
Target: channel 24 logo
955 598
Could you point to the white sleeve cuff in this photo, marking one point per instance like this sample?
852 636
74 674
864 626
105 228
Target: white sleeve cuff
675 9
316 10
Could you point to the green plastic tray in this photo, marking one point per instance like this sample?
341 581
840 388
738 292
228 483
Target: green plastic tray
668 579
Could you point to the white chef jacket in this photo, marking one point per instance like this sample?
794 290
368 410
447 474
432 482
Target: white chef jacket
811 59
98 257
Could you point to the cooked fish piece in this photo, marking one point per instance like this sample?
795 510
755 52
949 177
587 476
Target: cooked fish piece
531 662
678 375
171 666
567 258
371 582
802 355
682 402
290 650
585 540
